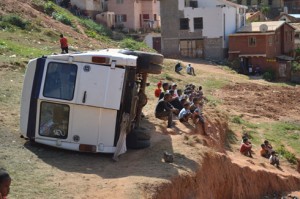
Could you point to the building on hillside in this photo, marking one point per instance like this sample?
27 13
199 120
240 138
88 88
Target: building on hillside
297 34
264 45
136 14
293 6
91 7
255 3
199 28
289 18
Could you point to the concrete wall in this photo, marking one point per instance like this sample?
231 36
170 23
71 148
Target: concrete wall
89 5
213 48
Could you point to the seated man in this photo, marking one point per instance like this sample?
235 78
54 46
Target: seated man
264 152
185 113
198 118
178 67
274 160
190 70
246 148
175 101
268 146
165 110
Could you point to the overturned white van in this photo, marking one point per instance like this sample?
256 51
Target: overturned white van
86 101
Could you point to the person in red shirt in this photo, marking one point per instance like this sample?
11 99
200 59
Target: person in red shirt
64 44
246 148
158 90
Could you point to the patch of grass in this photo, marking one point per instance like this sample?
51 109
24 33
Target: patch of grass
239 120
92 26
133 45
230 139
290 157
62 18
7 21
213 83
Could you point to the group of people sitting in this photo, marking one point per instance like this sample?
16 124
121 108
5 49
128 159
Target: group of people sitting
189 69
185 104
266 151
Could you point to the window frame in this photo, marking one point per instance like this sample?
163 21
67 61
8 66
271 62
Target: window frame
184 26
45 82
251 40
200 23
40 120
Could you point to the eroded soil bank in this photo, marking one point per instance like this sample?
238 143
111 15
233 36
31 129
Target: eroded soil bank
219 177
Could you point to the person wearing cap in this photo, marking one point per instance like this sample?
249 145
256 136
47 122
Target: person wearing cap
165 110
5 182
174 87
157 91
246 148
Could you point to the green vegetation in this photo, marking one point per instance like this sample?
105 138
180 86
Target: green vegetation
287 155
132 44
12 20
92 26
295 66
269 75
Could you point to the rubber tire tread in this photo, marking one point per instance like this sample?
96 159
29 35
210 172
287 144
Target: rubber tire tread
146 62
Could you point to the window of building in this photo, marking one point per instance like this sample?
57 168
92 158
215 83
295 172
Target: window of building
270 40
184 24
239 1
270 2
252 41
198 23
121 18
258 2
248 2
60 81
54 120
155 17
120 1
291 33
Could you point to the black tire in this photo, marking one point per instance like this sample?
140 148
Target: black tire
146 62
133 142
140 144
142 134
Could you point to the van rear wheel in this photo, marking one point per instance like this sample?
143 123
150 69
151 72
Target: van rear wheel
146 62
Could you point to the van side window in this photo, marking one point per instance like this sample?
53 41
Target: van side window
60 81
54 120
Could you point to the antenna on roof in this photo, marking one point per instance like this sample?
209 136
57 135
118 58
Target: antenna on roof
263 28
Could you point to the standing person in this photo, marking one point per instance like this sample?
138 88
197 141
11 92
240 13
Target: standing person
165 109
64 44
158 89
5 181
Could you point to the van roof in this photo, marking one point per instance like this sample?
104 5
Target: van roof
108 55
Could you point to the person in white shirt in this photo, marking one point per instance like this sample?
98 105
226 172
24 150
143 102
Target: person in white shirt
190 70
185 113
274 160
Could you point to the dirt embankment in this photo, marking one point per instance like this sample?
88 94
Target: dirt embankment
219 177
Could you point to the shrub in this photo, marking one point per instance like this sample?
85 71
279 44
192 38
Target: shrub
237 120
133 45
49 8
14 20
290 157
94 27
62 18
269 75
295 66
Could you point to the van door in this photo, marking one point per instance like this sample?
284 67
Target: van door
100 86
55 100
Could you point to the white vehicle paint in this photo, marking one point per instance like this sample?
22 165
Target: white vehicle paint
76 101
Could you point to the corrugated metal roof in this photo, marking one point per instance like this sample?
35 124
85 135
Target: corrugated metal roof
255 26
296 26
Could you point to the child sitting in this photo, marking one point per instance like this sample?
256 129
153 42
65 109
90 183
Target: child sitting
246 148
5 181
199 118
264 152
185 113
274 160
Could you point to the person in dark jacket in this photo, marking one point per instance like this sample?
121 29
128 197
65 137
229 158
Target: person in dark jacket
165 110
